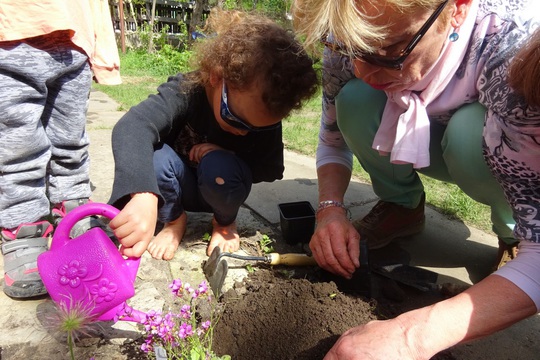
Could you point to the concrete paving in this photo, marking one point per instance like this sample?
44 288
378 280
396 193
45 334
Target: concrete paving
459 253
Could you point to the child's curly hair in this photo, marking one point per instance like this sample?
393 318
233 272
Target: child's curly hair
251 49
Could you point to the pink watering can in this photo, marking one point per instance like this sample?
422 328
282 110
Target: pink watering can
88 271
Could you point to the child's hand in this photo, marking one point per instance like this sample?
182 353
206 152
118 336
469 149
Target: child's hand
198 151
134 226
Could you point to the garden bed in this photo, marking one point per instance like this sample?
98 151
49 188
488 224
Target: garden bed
273 316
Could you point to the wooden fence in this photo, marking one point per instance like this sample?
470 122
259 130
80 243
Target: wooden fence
170 14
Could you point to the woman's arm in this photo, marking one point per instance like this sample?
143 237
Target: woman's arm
335 243
491 305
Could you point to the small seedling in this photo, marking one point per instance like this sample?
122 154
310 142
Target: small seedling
264 243
250 269
206 237
288 274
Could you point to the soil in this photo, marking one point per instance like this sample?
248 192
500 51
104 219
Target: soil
280 318
272 315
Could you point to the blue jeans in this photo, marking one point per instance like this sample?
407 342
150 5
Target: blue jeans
455 155
200 189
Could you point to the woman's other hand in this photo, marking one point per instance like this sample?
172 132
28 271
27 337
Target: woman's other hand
336 243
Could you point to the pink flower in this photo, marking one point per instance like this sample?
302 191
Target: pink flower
185 311
201 290
185 331
176 287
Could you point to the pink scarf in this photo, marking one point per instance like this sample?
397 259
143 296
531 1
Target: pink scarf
405 135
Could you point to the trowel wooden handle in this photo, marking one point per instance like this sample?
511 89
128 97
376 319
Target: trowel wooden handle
291 259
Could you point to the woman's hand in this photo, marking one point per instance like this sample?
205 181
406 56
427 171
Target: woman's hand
336 243
421 333
134 226
198 151
377 340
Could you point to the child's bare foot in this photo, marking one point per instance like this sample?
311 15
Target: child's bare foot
226 237
164 244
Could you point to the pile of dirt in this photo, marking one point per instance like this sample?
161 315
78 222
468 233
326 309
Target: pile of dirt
271 316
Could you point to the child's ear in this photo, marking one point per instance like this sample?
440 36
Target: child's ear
215 79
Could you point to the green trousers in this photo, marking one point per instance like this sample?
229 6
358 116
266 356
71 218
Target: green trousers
455 155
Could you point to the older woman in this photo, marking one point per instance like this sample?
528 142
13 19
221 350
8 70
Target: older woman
420 86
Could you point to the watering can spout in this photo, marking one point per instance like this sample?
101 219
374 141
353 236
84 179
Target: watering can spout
89 269
128 313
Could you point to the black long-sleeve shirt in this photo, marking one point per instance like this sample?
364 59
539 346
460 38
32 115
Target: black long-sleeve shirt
182 120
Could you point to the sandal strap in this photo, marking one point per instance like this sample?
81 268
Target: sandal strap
14 245
60 210
86 224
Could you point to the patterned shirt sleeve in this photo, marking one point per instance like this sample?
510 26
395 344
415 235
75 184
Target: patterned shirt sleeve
512 129
337 71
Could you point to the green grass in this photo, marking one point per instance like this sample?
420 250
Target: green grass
142 73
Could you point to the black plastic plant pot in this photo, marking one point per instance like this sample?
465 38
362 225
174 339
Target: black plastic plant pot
297 221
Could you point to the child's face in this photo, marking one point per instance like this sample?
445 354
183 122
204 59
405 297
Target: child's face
239 112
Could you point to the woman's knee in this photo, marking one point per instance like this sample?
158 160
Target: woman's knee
359 109
462 143
462 152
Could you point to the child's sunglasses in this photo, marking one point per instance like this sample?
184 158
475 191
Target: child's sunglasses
234 120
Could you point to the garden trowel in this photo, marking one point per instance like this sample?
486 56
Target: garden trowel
215 268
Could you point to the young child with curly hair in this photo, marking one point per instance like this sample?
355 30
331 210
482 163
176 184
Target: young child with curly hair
201 142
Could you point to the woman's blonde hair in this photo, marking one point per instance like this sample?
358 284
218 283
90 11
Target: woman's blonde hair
524 71
247 49
347 20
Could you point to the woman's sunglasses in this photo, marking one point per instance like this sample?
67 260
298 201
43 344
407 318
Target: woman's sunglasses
390 62
234 120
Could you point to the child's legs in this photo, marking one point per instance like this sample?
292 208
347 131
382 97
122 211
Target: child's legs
462 152
64 119
225 182
24 146
177 183
359 109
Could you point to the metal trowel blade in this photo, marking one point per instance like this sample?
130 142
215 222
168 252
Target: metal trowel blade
217 278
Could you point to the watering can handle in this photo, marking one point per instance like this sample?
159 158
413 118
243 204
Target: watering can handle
61 234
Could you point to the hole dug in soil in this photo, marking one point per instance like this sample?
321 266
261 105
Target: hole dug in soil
271 316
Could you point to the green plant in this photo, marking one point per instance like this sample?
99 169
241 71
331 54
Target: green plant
287 274
250 269
186 334
72 318
264 243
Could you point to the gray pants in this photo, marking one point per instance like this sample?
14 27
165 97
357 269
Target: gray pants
44 89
